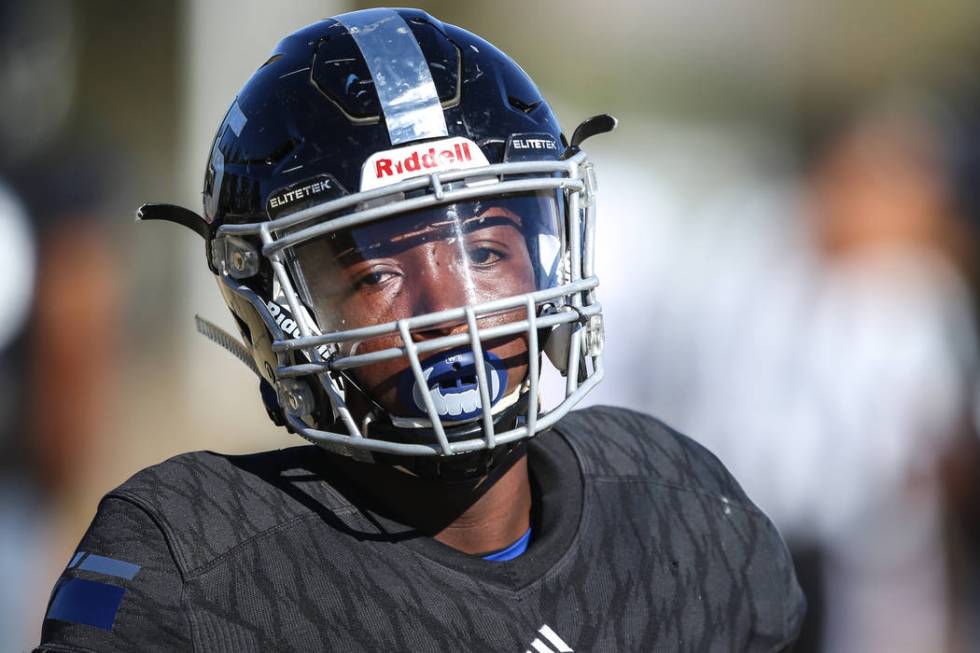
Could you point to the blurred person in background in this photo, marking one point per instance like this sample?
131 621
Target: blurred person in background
20 525
59 294
58 379
900 331
961 466
816 335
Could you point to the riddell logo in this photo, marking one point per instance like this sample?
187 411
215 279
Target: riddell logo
430 160
392 166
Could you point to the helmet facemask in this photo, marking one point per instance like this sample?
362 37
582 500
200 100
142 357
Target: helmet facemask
422 308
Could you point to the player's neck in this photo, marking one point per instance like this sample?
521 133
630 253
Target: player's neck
475 517
496 519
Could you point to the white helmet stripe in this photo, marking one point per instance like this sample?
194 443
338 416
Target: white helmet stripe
401 75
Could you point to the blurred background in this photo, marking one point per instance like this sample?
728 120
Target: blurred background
787 244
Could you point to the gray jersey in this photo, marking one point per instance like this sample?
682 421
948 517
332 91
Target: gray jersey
642 542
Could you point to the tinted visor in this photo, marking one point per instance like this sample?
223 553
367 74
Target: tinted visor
430 260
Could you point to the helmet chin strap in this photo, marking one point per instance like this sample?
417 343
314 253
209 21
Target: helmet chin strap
466 467
226 341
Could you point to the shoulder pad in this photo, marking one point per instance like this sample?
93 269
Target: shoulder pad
617 442
209 503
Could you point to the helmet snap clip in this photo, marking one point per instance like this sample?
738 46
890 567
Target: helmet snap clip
296 398
594 338
237 255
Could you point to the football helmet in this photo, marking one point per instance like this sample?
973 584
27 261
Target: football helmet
400 230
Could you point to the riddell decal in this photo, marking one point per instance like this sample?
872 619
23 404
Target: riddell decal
391 166
285 320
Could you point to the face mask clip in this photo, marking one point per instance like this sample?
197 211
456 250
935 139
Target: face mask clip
296 398
237 256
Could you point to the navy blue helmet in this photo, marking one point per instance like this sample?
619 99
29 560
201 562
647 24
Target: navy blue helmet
401 230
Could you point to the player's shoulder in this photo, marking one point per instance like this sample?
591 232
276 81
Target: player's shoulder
615 442
207 503
691 502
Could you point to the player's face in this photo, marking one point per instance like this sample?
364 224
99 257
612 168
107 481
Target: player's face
422 263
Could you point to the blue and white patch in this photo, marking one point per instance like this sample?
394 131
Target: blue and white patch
109 566
91 602
86 602
451 382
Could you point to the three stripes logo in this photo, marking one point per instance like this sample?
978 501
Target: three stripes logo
558 645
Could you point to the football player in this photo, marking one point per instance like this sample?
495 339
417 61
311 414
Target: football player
404 237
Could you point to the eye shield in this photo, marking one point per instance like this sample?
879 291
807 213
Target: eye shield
431 259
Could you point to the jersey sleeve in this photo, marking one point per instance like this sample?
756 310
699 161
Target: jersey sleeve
782 590
121 590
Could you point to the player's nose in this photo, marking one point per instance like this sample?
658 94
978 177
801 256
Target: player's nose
440 285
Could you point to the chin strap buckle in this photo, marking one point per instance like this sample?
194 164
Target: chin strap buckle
237 256
594 338
296 398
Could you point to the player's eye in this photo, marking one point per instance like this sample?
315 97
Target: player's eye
372 279
484 256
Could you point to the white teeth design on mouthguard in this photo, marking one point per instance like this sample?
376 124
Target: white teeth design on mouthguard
454 404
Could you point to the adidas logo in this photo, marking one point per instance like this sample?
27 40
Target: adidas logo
557 642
